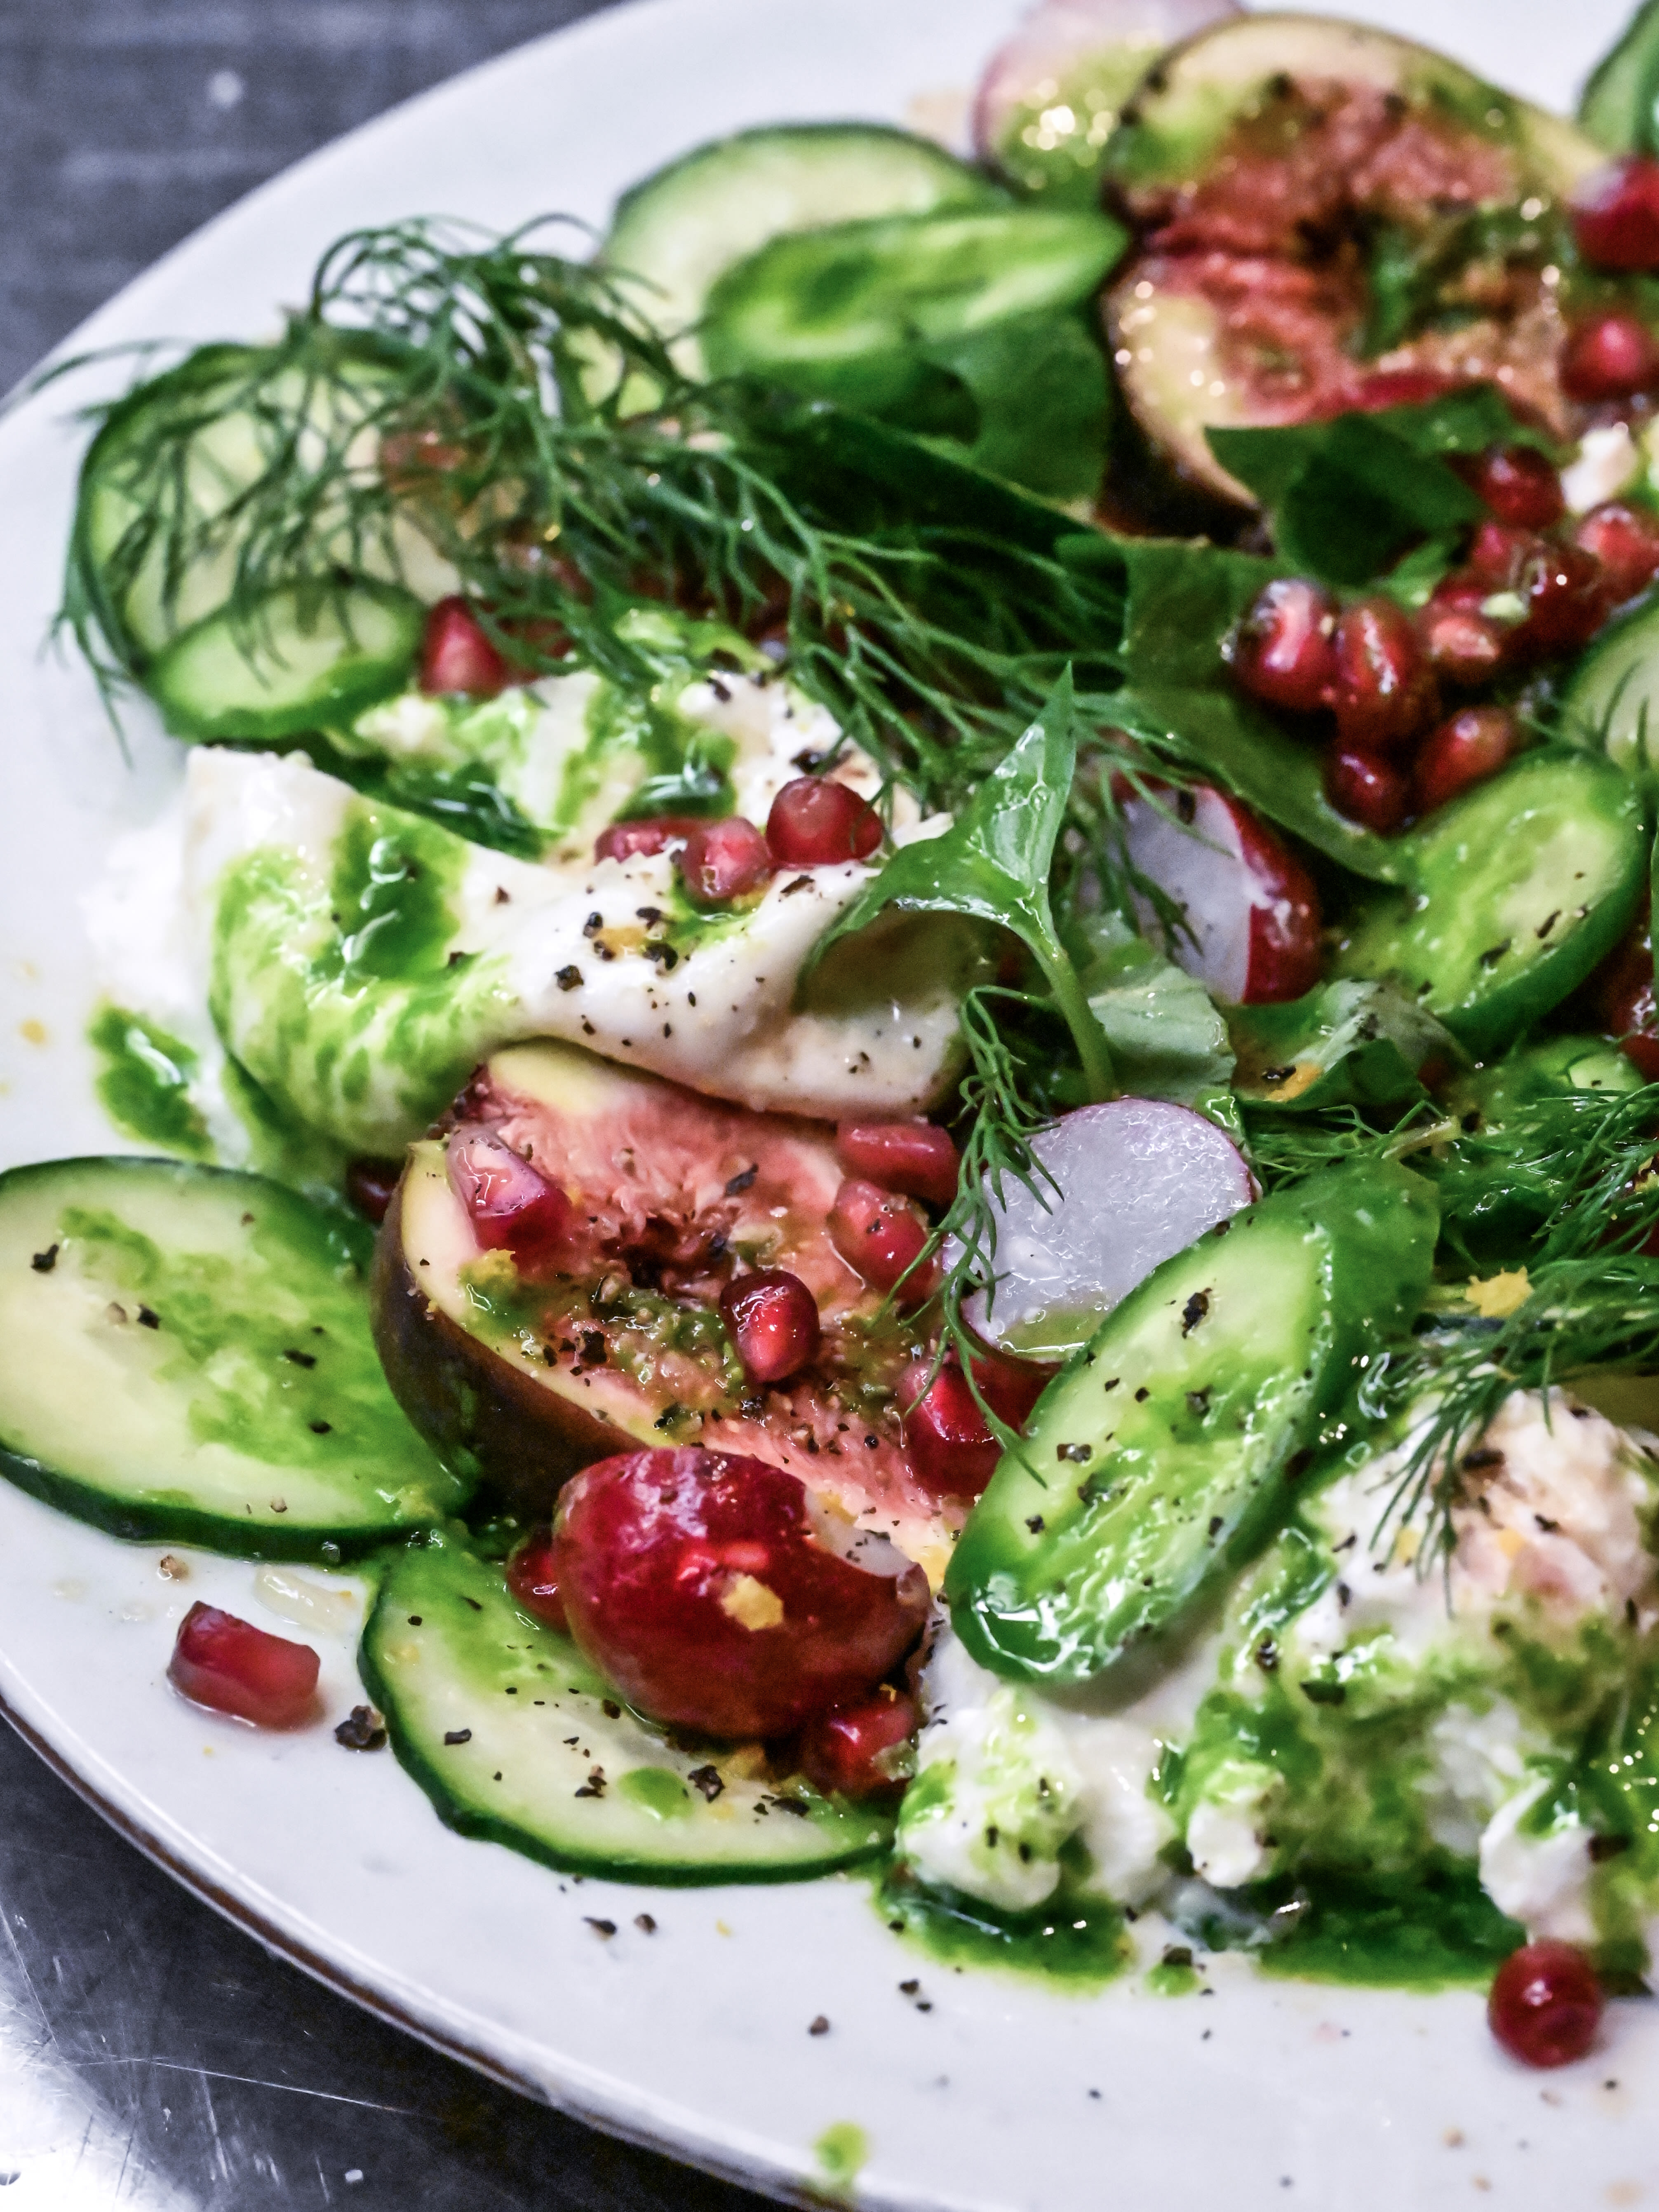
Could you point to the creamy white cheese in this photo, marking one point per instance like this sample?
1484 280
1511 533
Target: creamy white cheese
880 1035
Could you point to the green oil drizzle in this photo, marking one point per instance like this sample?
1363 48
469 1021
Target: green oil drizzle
1431 1927
1071 1939
842 2151
144 1082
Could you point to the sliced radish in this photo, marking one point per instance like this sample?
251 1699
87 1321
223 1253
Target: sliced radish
1253 918
1136 1181
1051 53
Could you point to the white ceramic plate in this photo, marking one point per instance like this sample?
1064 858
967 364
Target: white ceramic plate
974 2090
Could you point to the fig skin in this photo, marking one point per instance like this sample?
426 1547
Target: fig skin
477 1411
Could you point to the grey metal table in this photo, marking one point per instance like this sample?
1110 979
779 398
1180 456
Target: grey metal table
151 2055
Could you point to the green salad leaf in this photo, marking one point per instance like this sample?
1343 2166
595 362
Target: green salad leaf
1168 1037
993 864
1348 496
1344 1044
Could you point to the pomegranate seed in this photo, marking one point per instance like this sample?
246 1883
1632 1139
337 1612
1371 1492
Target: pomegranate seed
953 1450
1383 688
1496 553
859 1751
623 840
532 1580
773 1319
512 1205
1546 2004
1608 357
1463 751
1623 989
723 860
1625 541
880 1236
1366 788
1615 215
914 1157
1461 645
229 1664
1281 651
1401 388
815 821
1520 486
456 655
707 1588
1565 594
370 1186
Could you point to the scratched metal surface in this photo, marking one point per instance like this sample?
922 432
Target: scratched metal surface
150 2055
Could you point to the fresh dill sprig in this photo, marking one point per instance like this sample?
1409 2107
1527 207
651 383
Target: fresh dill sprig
475 386
1591 1291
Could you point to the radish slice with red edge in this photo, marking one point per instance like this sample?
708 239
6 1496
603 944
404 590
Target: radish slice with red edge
1253 917
1057 42
1134 1181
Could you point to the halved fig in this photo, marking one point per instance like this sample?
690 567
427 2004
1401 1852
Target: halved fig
1052 93
1276 165
532 1364
1252 915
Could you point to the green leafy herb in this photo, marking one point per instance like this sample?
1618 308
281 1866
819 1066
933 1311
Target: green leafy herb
1346 1043
920 600
1620 108
994 863
1348 496
1167 1038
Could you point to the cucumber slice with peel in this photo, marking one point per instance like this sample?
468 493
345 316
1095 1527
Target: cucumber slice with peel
295 661
516 1739
185 1357
1520 888
855 291
1612 698
676 232
1164 1455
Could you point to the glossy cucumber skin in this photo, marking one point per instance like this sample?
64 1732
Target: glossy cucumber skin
1520 888
681 228
1620 108
199 1425
104 509
447 1649
1612 697
1212 1384
239 680
869 290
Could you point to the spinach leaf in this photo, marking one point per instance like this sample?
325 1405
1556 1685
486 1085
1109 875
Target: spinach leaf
1040 401
1348 496
1169 1039
1345 1044
993 864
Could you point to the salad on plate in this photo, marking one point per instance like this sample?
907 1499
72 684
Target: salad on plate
896 1030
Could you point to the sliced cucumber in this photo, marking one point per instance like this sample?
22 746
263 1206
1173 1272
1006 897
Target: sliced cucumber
680 229
1612 699
1162 1458
515 1738
162 519
185 1357
301 658
1620 108
1520 888
819 300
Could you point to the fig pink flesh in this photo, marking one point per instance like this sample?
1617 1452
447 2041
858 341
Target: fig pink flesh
1138 1180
